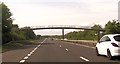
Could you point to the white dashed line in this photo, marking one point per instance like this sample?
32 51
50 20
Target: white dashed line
38 45
28 55
60 46
31 52
84 59
66 49
22 61
35 48
25 57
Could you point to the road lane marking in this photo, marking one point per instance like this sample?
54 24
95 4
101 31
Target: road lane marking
28 55
60 46
44 40
84 58
31 52
66 49
38 45
22 61
35 48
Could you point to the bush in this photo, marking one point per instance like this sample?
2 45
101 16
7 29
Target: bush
17 36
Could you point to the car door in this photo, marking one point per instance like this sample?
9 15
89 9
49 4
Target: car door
100 45
103 45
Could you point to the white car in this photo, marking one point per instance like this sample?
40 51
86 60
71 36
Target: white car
65 39
109 45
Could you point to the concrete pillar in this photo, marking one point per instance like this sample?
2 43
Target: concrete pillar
63 34
98 34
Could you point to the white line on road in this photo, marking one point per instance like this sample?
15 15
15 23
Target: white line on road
36 48
44 40
22 61
31 52
38 45
60 46
84 58
66 49
28 55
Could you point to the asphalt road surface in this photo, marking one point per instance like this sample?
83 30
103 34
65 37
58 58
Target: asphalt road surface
59 51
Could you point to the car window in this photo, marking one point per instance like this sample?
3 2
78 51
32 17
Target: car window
102 39
105 38
117 38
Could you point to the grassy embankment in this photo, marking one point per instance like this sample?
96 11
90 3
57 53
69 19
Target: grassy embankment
84 42
18 44
0 48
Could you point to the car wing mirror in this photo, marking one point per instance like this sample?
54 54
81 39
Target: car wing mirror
99 41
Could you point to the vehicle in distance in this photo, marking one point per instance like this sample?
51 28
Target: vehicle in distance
109 45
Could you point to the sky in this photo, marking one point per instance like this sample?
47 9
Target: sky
62 12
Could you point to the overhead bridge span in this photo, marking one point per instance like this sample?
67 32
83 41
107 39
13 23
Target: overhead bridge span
78 27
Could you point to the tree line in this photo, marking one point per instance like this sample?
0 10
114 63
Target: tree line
112 27
12 32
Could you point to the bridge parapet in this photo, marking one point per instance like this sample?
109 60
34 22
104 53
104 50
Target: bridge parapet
66 27
57 26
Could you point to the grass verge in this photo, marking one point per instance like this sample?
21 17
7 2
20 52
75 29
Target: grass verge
0 48
83 42
18 44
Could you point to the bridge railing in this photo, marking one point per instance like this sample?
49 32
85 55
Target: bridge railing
49 26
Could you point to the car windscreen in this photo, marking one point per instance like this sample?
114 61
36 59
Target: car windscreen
117 38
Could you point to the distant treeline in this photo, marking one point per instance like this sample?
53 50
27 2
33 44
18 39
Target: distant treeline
12 32
112 27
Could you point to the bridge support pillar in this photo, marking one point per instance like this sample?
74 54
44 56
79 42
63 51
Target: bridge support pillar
98 33
63 34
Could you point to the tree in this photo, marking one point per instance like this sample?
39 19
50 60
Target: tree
29 33
17 34
0 23
6 23
112 27
12 32
84 35
95 32
38 36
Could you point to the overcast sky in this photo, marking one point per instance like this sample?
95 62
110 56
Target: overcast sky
62 12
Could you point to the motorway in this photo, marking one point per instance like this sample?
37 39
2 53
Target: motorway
60 51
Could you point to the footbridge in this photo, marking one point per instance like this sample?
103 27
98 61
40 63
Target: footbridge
63 27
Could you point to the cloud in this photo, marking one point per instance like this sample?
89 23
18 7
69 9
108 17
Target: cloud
62 12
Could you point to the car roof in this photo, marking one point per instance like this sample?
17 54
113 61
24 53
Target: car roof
111 35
